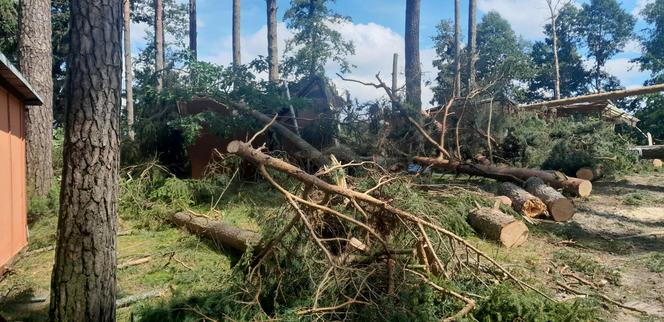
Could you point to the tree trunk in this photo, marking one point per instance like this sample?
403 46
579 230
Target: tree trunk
590 174
159 42
575 186
556 89
497 226
128 68
596 97
272 44
560 208
224 235
457 48
412 55
193 33
472 43
650 152
36 65
522 201
237 60
83 287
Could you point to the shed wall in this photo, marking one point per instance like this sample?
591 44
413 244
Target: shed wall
13 204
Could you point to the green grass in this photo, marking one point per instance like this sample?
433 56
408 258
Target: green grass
586 264
655 262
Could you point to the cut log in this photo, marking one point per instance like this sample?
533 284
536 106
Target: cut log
560 208
650 151
221 233
657 163
590 174
498 226
574 186
522 201
504 200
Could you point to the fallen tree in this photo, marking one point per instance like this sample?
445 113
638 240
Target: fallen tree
219 232
498 226
522 201
560 208
574 186
650 151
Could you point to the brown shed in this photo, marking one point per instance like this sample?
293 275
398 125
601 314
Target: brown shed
15 94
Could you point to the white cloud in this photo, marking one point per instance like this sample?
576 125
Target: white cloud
526 17
640 5
626 71
632 47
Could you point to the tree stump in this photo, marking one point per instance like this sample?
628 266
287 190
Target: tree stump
657 163
560 208
522 201
498 226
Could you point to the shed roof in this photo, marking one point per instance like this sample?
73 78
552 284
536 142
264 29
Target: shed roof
14 81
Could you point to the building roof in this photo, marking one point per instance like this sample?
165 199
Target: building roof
606 109
13 80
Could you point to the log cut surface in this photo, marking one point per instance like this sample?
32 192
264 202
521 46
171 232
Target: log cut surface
522 201
498 226
560 208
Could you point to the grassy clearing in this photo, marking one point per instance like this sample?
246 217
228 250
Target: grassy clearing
586 264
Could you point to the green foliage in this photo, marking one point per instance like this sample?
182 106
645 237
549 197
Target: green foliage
314 42
565 144
586 264
47 206
655 262
9 29
505 303
651 115
635 198
605 28
60 47
652 39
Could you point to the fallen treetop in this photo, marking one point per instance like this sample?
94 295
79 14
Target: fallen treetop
575 186
596 97
650 151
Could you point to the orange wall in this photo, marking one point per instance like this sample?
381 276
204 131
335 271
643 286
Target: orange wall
13 200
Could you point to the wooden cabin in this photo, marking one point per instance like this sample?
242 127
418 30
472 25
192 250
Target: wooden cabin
315 122
15 94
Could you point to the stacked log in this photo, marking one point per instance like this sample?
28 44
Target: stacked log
498 226
522 201
590 173
575 186
560 208
657 163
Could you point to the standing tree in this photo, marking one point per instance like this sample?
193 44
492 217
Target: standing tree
445 62
652 41
193 34
606 28
554 11
83 287
36 64
412 55
159 43
128 69
314 43
237 58
457 48
472 44
272 46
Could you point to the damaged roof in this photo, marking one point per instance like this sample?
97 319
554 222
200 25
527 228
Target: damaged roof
12 80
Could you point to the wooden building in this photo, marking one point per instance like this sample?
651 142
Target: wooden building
15 94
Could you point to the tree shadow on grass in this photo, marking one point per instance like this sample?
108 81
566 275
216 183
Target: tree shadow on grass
627 185
604 241
24 306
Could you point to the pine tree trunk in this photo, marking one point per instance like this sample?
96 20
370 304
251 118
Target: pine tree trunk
237 60
83 287
128 68
522 201
193 33
553 10
560 208
472 44
272 45
159 42
457 48
412 55
36 65
497 226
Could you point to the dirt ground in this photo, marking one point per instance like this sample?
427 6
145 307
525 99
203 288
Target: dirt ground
613 248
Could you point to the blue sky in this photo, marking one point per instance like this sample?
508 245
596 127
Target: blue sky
377 31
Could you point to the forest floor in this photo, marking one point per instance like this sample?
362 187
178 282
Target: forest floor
615 242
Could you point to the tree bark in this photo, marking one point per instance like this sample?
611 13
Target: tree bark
412 55
83 286
596 97
219 232
560 208
472 44
159 42
553 10
128 68
650 152
237 60
272 44
497 226
36 65
522 201
575 186
193 33
457 48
